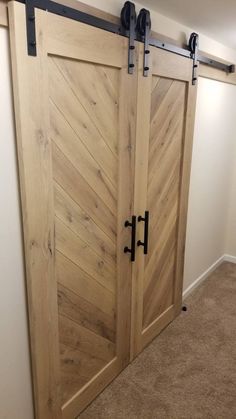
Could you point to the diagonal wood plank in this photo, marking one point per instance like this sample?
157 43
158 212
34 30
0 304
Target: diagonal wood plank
70 381
152 271
77 280
71 214
79 338
82 255
166 114
77 368
159 297
69 143
168 230
166 211
163 171
78 119
155 81
160 89
95 95
67 176
112 79
86 314
169 157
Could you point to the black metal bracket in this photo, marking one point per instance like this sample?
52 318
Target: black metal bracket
143 28
232 69
128 21
30 27
131 250
193 46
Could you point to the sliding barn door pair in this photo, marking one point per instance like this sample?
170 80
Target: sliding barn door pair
97 146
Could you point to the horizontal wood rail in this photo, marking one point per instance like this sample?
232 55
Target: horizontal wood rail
204 70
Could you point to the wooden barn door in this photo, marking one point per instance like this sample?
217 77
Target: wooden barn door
166 104
75 114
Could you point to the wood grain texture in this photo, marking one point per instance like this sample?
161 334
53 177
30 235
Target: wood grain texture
97 91
76 132
72 247
76 118
170 65
184 192
127 137
34 154
84 50
71 214
78 309
114 91
163 155
85 286
144 87
79 359
92 133
79 156
85 171
164 174
69 178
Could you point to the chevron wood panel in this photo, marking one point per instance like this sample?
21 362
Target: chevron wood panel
164 176
73 216
68 177
80 157
81 121
83 129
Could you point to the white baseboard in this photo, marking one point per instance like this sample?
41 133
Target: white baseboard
205 274
230 258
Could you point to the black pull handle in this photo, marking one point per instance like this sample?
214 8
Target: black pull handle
146 225
133 238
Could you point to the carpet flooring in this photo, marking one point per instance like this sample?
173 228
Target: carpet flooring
189 370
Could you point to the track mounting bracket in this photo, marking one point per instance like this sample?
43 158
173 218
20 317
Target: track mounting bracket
193 46
128 22
143 28
30 27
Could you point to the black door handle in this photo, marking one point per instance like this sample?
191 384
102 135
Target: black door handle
133 238
146 225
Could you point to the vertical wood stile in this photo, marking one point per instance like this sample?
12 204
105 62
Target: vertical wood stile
184 191
140 196
127 132
34 154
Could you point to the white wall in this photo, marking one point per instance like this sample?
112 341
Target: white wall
202 248
230 245
15 383
211 230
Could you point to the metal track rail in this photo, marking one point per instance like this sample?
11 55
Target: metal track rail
70 13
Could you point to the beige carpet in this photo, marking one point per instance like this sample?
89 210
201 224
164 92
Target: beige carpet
189 371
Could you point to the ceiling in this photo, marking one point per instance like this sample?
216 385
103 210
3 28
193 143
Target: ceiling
214 18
